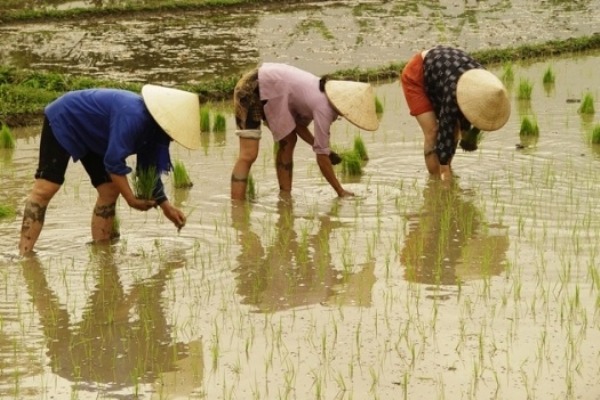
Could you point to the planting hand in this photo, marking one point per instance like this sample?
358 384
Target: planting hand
173 214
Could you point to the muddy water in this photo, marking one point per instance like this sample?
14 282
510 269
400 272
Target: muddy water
486 287
318 36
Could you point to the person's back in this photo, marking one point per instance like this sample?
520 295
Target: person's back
293 97
82 120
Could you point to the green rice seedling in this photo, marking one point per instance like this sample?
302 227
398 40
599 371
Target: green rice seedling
525 89
587 105
351 163
360 148
144 180
7 140
378 106
251 188
181 178
549 77
595 135
115 231
6 211
219 124
508 75
529 127
204 119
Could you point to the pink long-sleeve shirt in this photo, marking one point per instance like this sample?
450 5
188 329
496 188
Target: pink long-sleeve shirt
293 98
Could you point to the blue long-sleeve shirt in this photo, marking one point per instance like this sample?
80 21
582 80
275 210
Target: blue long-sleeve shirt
114 124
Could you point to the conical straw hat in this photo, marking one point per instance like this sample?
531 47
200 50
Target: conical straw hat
483 99
176 111
355 101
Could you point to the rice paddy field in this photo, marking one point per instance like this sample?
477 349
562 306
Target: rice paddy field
484 287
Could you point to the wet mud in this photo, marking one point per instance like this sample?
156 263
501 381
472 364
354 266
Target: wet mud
195 46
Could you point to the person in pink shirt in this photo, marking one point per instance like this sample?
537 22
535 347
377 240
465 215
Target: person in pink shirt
288 100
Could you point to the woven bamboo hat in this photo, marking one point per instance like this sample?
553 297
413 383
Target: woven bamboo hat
355 101
483 99
176 111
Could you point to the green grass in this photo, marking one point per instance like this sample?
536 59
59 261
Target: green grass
549 77
144 180
7 140
595 135
524 90
6 211
360 148
351 163
378 106
508 74
205 119
24 93
587 105
181 178
115 231
220 123
117 8
529 127
251 191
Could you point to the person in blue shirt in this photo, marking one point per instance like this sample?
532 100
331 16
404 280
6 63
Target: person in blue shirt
101 128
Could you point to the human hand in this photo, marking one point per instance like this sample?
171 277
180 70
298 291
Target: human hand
345 193
334 158
176 216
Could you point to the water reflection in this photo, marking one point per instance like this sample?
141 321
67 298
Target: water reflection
122 339
448 240
296 268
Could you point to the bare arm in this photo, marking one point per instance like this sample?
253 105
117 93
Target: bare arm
123 186
327 170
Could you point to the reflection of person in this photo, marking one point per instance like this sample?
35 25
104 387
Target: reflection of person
452 95
288 99
101 128
448 242
121 338
294 269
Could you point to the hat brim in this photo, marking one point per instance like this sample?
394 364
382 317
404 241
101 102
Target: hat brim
176 111
354 101
483 99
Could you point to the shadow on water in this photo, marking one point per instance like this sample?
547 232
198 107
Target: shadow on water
122 339
295 267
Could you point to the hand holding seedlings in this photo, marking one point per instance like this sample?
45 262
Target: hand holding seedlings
101 128
479 100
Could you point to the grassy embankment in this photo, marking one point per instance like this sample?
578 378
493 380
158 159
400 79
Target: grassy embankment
24 93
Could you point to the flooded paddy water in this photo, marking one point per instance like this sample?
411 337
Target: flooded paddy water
484 287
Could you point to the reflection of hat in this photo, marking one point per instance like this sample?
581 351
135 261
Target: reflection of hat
355 101
176 111
483 99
